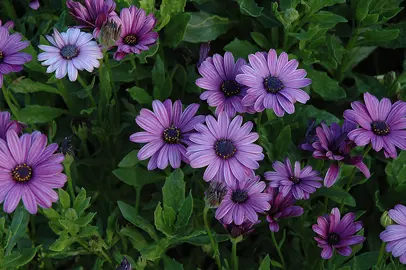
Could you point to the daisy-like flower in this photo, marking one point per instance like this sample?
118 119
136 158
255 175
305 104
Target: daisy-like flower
301 182
70 51
29 171
227 149
7 124
34 4
310 136
273 82
136 33
243 201
336 233
380 123
281 207
11 59
167 132
218 79
93 14
395 235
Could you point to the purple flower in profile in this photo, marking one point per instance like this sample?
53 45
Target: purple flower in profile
136 32
7 124
235 231
227 149
395 235
274 82
281 207
167 132
34 4
310 136
93 14
29 170
218 79
11 59
301 183
381 124
70 52
243 201
336 233
203 52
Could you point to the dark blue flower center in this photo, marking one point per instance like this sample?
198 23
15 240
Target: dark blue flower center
294 179
22 173
69 51
239 196
224 148
333 239
172 135
273 84
230 88
380 128
130 40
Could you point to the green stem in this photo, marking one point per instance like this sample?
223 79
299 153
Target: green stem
82 82
325 204
137 199
278 250
64 94
70 181
381 254
8 100
342 69
214 244
259 119
234 259
348 186
85 87
366 151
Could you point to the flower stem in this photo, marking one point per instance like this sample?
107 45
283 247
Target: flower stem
214 244
234 260
381 254
10 104
259 122
278 249
137 199
348 186
64 94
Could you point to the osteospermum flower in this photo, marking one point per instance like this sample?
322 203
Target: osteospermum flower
273 82
243 201
336 233
281 207
7 124
34 4
300 182
226 147
93 14
136 33
395 235
380 123
167 132
29 170
70 51
218 79
11 59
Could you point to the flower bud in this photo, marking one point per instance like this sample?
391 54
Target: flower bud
290 16
386 219
125 265
214 195
109 34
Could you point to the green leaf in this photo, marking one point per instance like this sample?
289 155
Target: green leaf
240 48
28 86
378 37
364 261
36 114
147 5
316 5
327 19
160 222
17 228
172 264
147 54
204 27
175 31
163 92
312 112
20 258
169 7
81 203
249 7
158 76
140 95
365 83
336 194
261 40
83 221
135 176
129 160
64 198
400 41
105 86
362 9
325 86
139 242
283 141
156 250
184 213
173 191
311 34
63 242
276 264
265 264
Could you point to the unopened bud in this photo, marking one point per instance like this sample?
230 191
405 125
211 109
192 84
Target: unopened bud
386 219
109 34
290 15
214 195
125 265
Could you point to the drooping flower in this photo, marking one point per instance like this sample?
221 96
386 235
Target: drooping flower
167 133
70 51
310 136
243 201
395 235
333 144
203 53
218 79
109 34
235 231
29 171
227 149
380 123
336 233
34 4
7 124
136 33
281 207
273 82
11 59
93 14
214 195
301 183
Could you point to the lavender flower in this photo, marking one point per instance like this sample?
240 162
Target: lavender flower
29 171
70 52
281 207
218 79
135 37
245 228
274 82
300 182
310 136
9 25
34 4
381 124
336 233
395 235
226 148
167 132
203 52
243 201
7 124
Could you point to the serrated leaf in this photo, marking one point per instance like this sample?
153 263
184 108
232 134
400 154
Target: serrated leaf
364 261
325 86
63 242
204 27
185 212
241 48
81 203
17 228
139 242
64 198
147 54
36 114
140 95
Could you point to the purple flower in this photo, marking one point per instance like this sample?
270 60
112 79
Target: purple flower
381 124
336 233
136 33
300 182
395 235
11 59
214 195
7 124
34 4
70 52
222 90
94 14
310 136
281 207
274 82
245 228
226 148
29 170
243 201
333 144
167 132
203 52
